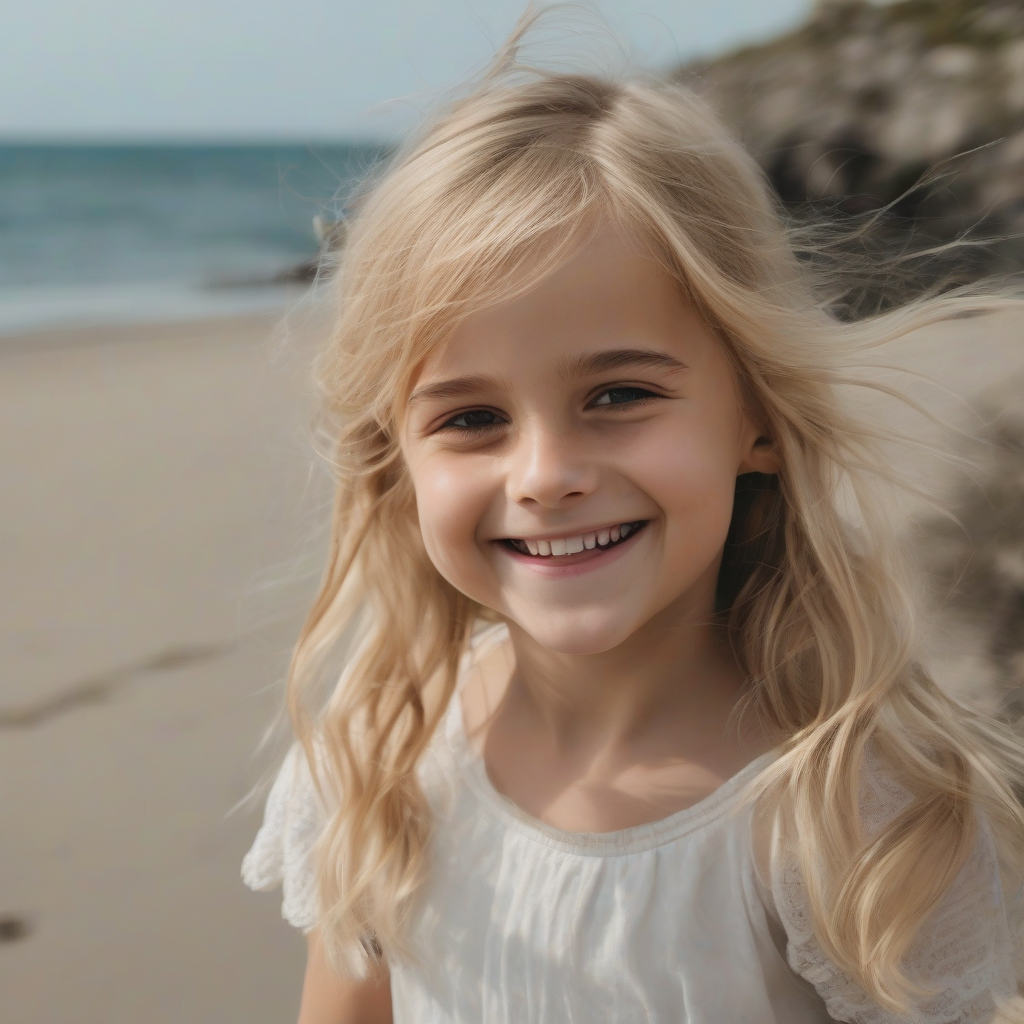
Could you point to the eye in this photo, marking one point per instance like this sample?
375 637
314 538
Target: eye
474 419
623 395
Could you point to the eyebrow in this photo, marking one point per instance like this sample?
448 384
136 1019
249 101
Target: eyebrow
455 387
568 369
614 359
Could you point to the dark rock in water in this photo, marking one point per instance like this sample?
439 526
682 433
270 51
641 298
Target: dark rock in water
866 101
303 273
331 235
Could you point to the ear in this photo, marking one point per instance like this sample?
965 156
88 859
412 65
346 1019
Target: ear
760 454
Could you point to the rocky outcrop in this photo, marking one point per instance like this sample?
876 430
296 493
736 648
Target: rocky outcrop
915 108
867 101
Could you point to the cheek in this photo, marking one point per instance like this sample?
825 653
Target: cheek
451 502
691 474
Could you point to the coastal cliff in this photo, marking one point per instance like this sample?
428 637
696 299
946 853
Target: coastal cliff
915 109
916 105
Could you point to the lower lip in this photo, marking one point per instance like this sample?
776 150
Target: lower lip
576 564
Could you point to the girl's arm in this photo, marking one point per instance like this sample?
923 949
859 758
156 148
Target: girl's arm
329 999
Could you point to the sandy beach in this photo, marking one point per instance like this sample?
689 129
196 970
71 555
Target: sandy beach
158 520
160 537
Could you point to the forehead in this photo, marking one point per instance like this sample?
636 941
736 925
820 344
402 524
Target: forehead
609 295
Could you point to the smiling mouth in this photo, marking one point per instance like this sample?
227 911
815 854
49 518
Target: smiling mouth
555 547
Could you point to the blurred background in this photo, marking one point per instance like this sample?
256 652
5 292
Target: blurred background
161 168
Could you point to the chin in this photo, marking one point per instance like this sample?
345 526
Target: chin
578 634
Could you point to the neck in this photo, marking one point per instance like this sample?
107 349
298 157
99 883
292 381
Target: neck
676 668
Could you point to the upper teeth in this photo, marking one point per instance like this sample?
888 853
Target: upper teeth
571 545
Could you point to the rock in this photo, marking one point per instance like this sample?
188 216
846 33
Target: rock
916 106
331 235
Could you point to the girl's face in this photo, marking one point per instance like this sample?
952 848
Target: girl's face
574 453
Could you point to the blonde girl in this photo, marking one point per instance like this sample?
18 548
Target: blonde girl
632 725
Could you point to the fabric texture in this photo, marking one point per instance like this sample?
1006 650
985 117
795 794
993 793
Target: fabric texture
663 923
282 854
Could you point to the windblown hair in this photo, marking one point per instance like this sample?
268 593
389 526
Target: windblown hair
497 192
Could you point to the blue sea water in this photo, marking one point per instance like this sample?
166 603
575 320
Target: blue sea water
105 233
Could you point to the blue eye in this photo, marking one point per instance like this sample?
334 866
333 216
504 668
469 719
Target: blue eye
622 396
475 419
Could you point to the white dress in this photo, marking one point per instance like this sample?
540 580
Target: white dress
664 923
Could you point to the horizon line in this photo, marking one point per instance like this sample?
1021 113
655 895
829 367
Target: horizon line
270 139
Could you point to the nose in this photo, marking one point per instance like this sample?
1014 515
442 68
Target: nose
549 468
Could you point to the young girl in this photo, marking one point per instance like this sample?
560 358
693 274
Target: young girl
631 726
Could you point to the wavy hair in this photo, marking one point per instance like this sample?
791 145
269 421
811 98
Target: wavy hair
496 192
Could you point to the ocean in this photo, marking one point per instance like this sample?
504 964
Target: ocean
96 234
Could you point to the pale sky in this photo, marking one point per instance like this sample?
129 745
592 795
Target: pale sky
302 69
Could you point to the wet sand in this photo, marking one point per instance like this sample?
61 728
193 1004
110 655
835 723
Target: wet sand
159 532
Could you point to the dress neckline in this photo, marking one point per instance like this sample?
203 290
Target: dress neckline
636 839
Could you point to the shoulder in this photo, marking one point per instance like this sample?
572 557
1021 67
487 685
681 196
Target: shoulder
283 851
962 955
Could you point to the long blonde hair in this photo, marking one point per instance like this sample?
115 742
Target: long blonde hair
496 193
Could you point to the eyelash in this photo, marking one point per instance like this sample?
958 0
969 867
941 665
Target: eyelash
469 428
645 396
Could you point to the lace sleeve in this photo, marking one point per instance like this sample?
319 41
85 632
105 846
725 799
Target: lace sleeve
282 853
964 953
